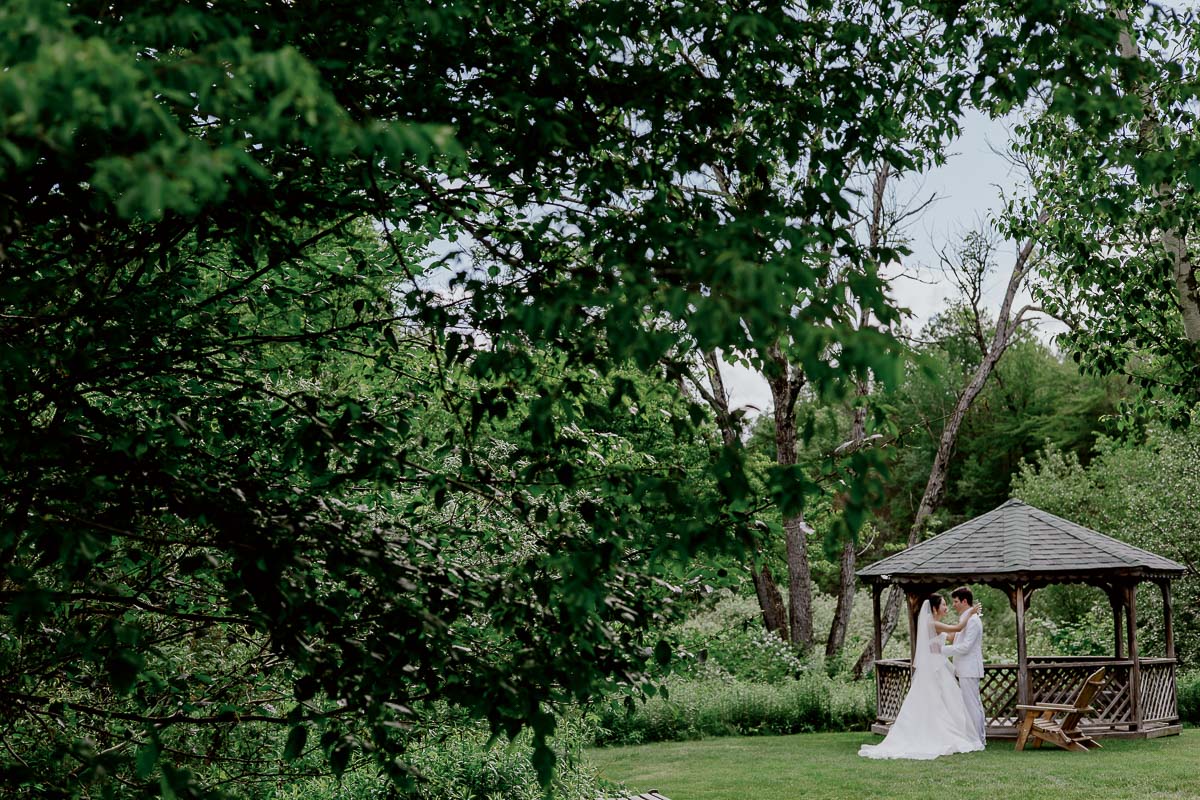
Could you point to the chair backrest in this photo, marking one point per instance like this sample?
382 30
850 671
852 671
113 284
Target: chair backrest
1087 693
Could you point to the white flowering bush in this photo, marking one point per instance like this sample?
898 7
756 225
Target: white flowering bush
729 640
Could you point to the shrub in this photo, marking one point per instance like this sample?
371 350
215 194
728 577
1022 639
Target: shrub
1089 635
1188 694
727 631
460 763
716 706
729 637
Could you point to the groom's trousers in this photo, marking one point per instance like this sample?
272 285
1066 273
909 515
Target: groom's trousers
970 694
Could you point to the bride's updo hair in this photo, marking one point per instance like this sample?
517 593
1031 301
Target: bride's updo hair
935 602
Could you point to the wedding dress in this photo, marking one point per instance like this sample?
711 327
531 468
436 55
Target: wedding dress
933 719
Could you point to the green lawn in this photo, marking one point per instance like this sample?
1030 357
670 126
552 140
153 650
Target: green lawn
826 765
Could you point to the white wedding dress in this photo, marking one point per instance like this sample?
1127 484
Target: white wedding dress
933 719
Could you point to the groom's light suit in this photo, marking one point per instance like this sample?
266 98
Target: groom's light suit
968 666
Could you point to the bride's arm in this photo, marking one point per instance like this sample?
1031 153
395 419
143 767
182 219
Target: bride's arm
942 627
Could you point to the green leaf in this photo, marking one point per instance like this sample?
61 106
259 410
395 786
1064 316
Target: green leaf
296 740
339 757
123 668
543 761
147 758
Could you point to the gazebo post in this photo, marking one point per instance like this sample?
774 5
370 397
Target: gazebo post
1018 601
1118 607
1168 625
1135 669
913 608
876 591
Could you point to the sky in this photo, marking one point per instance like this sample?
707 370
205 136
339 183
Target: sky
970 187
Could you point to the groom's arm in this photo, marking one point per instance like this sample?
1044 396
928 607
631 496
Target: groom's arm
964 641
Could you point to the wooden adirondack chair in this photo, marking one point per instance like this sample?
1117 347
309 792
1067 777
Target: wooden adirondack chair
1039 719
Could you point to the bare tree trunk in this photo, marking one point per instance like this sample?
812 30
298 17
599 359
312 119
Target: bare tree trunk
1006 326
770 600
1173 240
718 400
786 383
845 601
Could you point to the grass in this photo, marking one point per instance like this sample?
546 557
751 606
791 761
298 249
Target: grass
826 765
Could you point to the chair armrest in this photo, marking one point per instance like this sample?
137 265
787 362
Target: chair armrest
1053 707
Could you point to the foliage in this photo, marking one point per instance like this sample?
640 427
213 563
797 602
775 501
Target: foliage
1187 692
755 655
720 705
1119 193
725 637
733 677
1089 635
328 341
1033 397
462 762
729 639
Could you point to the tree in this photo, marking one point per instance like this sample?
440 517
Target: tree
1120 189
972 263
883 225
1141 491
730 423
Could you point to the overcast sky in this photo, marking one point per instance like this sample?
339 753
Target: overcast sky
970 187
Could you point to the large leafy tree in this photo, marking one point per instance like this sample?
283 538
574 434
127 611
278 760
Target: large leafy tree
1141 491
1120 189
1035 396
271 459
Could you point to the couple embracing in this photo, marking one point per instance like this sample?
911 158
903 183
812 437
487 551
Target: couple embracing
940 715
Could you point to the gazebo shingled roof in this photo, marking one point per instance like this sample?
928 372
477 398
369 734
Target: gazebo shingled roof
1018 541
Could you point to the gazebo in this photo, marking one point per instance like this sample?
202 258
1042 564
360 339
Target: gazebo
1019 549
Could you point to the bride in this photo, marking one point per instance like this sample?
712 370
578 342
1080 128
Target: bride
933 719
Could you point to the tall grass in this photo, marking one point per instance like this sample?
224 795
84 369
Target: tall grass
692 709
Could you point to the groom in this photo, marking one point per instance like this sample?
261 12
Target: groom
967 649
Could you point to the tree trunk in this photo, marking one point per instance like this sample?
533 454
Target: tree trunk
1006 326
799 582
785 385
932 496
718 399
1184 270
845 601
770 600
846 579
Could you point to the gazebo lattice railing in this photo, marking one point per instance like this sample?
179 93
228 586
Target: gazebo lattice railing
1055 679
1019 549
